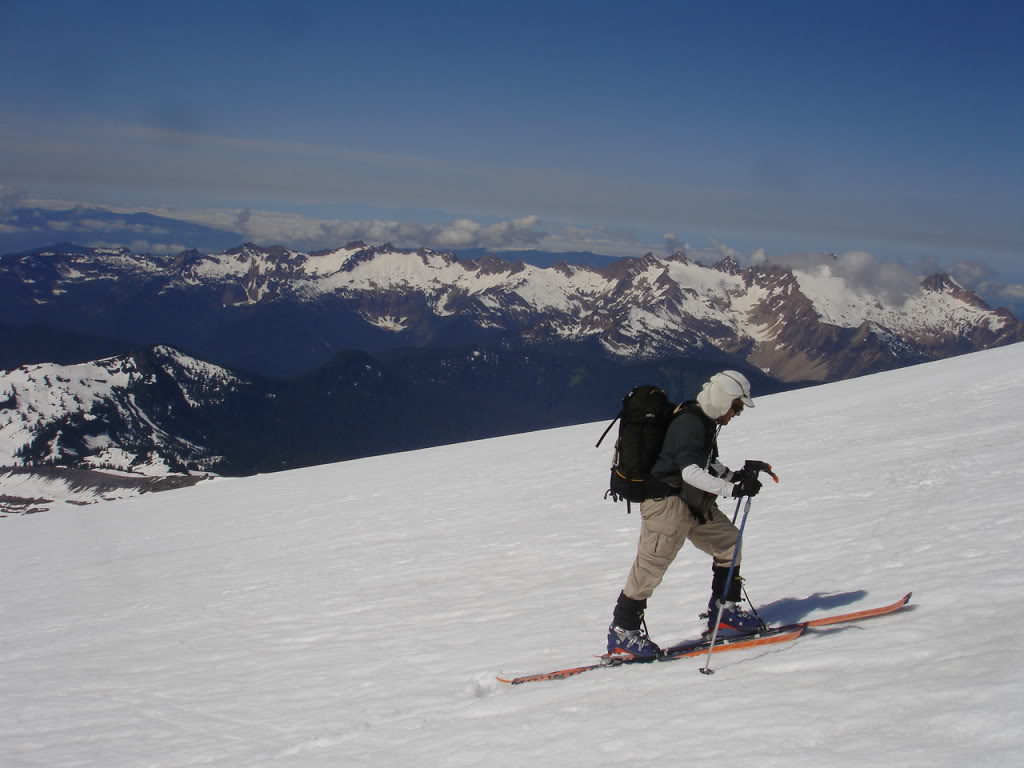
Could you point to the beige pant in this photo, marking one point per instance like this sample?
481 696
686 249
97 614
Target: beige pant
667 523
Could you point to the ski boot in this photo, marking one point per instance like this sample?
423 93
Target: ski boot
735 618
632 644
627 634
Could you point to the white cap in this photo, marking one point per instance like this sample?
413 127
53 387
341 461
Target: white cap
721 389
735 384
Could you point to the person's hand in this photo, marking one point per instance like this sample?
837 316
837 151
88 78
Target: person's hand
743 474
745 486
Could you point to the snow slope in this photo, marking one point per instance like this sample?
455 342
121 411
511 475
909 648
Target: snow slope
357 613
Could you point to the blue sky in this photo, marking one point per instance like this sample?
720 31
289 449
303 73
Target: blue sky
889 127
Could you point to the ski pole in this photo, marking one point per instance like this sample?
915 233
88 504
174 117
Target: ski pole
706 669
752 608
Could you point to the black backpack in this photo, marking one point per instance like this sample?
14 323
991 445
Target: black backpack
643 421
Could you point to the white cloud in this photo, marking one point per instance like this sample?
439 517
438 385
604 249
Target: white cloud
511 234
142 246
971 273
606 240
242 220
862 272
10 198
308 232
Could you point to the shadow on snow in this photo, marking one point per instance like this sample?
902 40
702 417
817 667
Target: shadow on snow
791 610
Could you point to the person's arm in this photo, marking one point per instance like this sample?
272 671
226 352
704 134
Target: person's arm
699 478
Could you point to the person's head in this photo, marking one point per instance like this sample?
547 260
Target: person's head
725 395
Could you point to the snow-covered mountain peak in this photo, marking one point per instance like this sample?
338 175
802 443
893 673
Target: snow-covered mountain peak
943 283
729 265
104 411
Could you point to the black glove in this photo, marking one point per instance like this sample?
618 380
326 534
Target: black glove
745 485
743 474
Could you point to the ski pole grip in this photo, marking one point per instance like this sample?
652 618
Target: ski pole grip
760 466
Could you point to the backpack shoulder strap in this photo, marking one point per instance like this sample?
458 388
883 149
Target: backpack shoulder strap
607 430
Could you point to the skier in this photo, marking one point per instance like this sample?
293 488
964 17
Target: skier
689 462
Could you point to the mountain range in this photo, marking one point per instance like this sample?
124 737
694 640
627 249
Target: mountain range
280 312
256 359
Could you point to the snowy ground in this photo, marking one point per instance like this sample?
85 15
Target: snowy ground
357 613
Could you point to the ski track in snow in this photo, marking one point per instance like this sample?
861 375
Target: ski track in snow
357 613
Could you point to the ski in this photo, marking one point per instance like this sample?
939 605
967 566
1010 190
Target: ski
859 615
692 648
767 636
680 651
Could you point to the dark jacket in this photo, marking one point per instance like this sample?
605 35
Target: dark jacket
691 439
